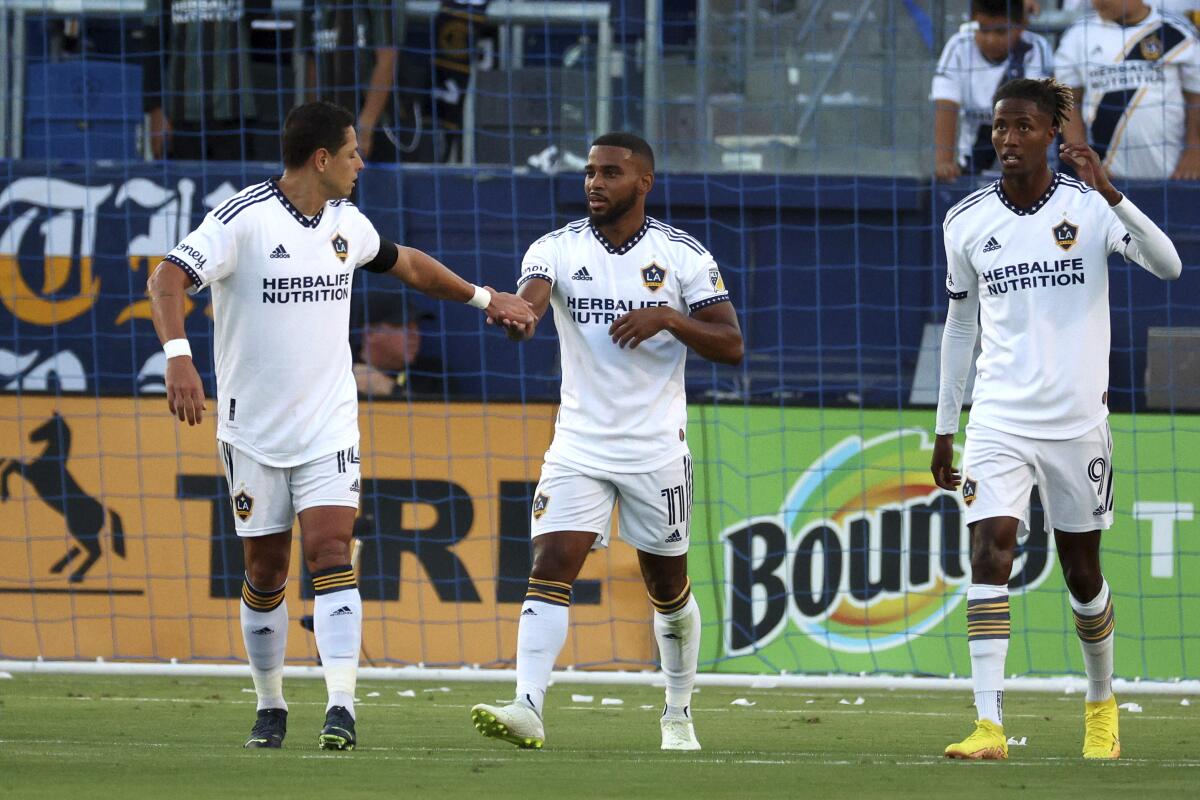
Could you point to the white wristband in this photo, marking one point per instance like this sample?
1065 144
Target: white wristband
482 298
177 347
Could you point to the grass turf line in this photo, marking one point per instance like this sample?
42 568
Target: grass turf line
121 737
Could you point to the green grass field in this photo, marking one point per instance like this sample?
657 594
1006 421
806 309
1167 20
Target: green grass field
134 737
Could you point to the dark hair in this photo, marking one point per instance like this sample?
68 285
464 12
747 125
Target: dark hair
311 127
1050 96
1013 9
629 141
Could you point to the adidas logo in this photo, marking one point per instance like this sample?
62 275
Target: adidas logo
354 486
582 275
279 252
674 537
341 612
991 245
263 631
529 612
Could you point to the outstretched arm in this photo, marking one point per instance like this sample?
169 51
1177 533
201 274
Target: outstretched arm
1148 246
426 274
713 331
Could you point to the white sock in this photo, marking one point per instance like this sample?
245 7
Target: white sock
988 628
265 635
678 637
541 634
337 623
1095 624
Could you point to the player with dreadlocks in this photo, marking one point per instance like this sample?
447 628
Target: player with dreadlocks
1027 259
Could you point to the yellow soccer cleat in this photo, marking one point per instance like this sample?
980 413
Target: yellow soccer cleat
1101 737
986 743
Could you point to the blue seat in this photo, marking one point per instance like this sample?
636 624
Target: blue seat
82 110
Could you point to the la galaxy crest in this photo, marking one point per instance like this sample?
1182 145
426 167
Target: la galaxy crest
341 247
1066 234
654 276
243 504
539 505
1151 47
970 487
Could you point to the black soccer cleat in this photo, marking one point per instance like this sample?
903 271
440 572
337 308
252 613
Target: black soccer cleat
338 733
269 729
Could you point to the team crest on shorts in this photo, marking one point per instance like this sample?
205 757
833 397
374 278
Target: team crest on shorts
539 505
341 247
969 488
1066 234
653 276
714 277
243 504
1151 47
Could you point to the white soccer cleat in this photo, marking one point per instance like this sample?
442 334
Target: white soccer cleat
678 734
516 723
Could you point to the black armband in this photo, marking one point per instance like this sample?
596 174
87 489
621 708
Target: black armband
385 259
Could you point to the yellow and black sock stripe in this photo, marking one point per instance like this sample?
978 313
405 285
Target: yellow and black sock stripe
1097 627
988 618
671 606
334 579
556 593
261 601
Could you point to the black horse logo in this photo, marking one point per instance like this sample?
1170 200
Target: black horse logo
86 518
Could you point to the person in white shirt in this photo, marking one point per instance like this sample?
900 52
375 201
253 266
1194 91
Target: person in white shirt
280 257
1135 74
1027 260
630 295
990 50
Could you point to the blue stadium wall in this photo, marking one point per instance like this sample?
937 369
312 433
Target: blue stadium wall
834 277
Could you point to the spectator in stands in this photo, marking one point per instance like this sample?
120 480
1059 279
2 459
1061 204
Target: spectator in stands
353 46
199 80
992 49
1135 73
389 363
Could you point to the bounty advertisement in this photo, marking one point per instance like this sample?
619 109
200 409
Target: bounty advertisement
830 548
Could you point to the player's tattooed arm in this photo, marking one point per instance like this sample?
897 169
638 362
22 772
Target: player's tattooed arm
713 331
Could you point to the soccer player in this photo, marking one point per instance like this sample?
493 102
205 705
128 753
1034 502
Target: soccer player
630 296
280 257
993 49
1028 256
1135 73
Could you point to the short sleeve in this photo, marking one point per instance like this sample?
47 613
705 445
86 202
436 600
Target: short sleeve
1044 54
207 254
367 247
384 24
948 78
1189 69
1069 66
960 275
701 283
539 262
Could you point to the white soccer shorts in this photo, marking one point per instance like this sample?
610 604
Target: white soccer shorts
267 499
1074 477
655 507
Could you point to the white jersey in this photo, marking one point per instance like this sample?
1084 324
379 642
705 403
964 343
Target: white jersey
966 77
281 311
1133 80
1041 277
621 410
